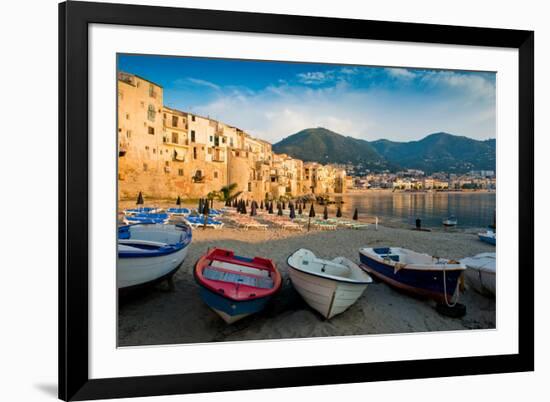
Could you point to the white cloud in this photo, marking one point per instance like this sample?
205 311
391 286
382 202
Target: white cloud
204 83
474 85
315 77
455 102
401 73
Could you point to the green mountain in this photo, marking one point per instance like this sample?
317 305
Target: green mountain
436 152
440 152
325 146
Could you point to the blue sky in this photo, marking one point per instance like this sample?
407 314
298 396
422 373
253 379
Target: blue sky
273 100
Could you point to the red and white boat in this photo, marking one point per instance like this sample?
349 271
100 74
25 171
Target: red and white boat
235 286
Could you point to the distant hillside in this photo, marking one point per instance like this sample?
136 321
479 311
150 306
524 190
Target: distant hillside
325 146
440 152
436 152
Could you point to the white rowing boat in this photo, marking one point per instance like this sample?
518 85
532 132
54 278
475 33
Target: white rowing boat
330 287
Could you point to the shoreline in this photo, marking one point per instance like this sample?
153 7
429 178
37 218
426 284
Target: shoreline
159 316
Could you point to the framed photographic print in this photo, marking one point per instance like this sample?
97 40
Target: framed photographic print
258 200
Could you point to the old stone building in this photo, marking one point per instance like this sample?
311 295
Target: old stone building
166 153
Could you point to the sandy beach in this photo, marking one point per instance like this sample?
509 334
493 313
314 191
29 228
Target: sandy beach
160 315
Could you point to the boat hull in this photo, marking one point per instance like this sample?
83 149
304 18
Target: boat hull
327 296
231 310
482 281
424 283
488 239
132 272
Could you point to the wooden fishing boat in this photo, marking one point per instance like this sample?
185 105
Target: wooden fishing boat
150 253
330 287
234 286
481 272
416 273
488 237
450 221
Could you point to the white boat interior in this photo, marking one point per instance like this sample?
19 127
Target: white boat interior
155 234
411 259
340 268
484 262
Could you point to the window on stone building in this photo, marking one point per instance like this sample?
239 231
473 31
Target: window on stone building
175 121
192 135
152 92
215 174
209 151
151 112
180 172
192 118
154 150
211 139
147 147
127 116
174 138
194 152
128 133
145 167
151 130
166 163
249 186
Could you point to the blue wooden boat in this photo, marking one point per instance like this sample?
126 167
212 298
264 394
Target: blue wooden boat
415 273
234 286
488 237
150 253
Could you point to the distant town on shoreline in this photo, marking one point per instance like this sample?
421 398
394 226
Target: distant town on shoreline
168 153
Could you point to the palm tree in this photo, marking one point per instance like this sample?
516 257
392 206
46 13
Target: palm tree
227 190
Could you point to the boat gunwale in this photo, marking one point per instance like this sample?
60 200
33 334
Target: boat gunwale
265 293
416 267
331 278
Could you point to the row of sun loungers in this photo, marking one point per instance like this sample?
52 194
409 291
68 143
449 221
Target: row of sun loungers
247 222
282 222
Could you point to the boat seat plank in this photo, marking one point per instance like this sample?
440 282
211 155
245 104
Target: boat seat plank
239 268
237 278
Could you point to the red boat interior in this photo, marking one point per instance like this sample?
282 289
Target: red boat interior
238 278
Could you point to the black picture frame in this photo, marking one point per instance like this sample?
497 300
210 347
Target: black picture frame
74 18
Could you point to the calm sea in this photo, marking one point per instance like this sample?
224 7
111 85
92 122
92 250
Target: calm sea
473 210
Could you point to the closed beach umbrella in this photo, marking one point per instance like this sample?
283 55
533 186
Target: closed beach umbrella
292 212
205 211
311 215
200 206
262 204
178 201
247 202
325 213
284 207
279 210
299 209
212 203
339 212
253 209
243 211
140 199
355 215
271 207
